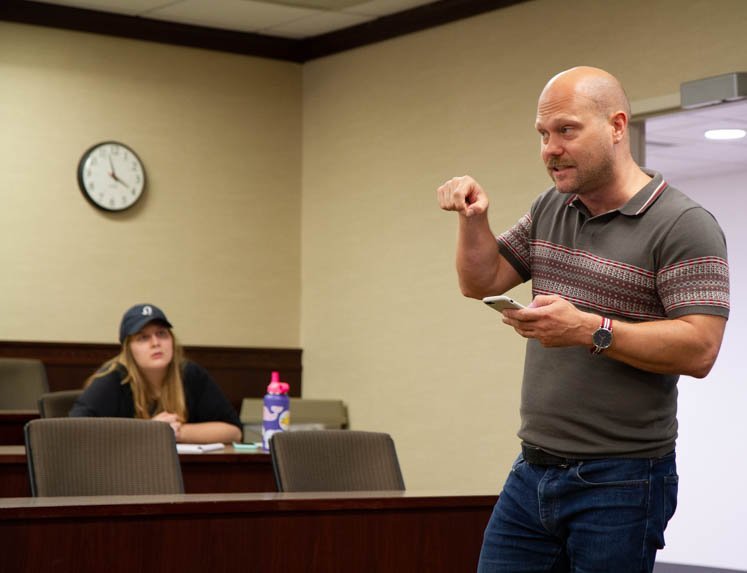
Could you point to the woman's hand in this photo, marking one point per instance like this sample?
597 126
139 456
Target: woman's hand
171 419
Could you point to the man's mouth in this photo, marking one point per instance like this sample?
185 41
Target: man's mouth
559 167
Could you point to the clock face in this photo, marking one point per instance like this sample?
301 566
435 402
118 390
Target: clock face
111 176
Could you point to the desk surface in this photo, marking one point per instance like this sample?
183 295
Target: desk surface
221 471
325 532
229 454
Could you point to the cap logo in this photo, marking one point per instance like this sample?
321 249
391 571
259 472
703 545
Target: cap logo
147 310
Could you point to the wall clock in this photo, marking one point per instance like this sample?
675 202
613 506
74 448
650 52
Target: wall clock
111 176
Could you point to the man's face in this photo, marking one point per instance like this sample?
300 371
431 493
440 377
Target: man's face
577 146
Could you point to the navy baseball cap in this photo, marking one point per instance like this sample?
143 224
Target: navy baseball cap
135 319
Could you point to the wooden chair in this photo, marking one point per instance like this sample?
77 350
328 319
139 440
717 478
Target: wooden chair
101 456
335 460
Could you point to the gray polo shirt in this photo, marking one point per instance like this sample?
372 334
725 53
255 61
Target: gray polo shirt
659 256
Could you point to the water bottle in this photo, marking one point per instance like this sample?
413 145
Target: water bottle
275 410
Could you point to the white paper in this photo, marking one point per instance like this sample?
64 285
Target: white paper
198 448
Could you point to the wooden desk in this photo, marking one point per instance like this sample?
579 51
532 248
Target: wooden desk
222 471
387 532
12 423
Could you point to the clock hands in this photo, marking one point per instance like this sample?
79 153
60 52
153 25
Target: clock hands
113 174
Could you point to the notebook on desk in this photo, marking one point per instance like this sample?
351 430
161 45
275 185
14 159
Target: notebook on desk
198 448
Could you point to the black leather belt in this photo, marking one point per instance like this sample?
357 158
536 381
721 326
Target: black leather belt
537 456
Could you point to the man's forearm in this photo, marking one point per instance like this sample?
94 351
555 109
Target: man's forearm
687 345
482 270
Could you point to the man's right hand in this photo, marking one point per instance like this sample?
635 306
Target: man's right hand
464 195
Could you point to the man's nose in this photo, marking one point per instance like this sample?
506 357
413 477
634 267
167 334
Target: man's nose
552 147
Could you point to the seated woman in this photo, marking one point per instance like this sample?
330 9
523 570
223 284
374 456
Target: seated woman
150 379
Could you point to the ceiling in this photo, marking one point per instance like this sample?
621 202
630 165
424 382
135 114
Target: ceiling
291 30
675 143
293 19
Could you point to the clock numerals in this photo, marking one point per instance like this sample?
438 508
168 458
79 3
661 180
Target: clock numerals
111 176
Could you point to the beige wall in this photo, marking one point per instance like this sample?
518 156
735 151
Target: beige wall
216 238
218 241
384 325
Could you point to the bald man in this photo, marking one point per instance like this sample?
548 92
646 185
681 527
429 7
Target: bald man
630 285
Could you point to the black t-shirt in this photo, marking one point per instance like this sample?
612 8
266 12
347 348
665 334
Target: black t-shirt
108 397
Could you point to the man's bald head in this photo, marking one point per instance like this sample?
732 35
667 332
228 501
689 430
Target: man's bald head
603 90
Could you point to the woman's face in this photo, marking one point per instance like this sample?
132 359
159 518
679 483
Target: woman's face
152 348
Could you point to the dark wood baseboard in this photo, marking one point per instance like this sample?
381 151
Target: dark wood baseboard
240 372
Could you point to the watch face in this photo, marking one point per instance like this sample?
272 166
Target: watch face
111 176
602 338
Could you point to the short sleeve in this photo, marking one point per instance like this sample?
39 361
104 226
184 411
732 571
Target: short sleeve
693 275
513 244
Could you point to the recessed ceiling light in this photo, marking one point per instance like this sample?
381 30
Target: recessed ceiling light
722 134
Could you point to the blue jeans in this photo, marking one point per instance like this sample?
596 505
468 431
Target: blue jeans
593 516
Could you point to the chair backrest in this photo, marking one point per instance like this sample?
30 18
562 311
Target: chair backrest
101 456
305 414
57 404
22 381
335 460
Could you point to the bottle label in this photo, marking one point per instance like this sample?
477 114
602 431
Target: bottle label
275 417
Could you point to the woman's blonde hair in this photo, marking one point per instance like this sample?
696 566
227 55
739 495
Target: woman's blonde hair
171 398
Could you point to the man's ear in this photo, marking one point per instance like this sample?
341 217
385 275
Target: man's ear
619 123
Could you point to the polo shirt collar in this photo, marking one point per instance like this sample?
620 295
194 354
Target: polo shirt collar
640 202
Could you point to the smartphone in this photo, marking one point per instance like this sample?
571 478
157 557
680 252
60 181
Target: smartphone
502 302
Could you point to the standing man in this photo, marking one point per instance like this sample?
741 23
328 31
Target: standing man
631 289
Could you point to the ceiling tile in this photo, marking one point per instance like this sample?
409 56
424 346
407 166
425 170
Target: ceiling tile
242 15
319 23
327 5
385 7
128 7
675 142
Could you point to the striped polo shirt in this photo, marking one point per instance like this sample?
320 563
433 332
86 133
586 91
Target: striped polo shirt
659 256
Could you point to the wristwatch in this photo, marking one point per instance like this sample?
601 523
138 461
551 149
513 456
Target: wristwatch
602 337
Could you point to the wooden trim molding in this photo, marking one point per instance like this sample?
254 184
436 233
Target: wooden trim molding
311 532
383 28
240 372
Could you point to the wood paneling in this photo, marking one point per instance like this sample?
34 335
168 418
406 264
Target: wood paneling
336 532
240 372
